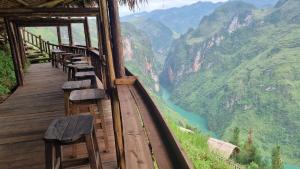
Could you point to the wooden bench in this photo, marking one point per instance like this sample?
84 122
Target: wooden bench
71 131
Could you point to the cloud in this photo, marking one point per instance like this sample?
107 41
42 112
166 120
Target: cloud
161 4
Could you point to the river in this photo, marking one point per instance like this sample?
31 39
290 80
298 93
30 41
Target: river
197 120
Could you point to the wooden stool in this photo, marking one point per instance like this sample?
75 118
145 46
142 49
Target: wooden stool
90 97
70 86
55 57
71 131
65 59
85 76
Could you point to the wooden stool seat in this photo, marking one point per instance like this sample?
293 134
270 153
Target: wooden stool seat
70 86
76 85
75 59
86 75
87 95
70 131
80 62
85 68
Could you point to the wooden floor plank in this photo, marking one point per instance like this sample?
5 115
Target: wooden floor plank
26 114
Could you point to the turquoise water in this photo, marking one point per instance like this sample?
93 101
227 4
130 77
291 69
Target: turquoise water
197 120
193 119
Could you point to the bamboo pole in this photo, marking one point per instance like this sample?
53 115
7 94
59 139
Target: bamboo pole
70 34
14 52
58 35
87 33
114 95
116 37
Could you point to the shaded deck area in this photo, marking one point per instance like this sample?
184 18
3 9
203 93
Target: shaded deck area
26 114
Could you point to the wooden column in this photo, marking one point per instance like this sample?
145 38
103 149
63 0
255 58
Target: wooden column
70 34
116 38
114 94
87 33
58 35
14 51
21 46
102 51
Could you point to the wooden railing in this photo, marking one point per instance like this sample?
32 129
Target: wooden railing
38 42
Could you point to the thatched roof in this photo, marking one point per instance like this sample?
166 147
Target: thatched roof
223 148
53 3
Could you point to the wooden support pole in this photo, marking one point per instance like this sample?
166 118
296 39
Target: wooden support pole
58 35
116 38
70 34
114 93
14 53
87 33
21 47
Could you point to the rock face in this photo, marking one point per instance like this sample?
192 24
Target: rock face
139 56
239 68
197 43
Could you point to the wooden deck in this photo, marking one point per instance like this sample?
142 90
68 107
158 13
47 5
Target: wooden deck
26 114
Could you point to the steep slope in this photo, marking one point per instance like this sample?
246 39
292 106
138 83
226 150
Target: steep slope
240 68
139 57
159 35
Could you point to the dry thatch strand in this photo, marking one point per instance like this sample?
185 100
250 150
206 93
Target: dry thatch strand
132 4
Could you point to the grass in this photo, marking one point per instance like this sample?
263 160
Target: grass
7 75
195 145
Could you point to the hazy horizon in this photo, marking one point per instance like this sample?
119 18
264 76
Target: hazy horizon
161 4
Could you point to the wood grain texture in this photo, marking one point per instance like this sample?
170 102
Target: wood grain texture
26 114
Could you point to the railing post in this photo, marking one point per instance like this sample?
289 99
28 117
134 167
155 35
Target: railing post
40 43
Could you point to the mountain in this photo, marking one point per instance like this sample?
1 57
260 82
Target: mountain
178 19
158 34
261 3
240 68
139 57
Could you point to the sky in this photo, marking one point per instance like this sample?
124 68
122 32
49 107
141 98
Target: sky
161 4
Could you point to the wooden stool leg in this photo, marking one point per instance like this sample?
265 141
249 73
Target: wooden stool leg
97 150
58 154
67 104
49 161
76 111
91 151
101 113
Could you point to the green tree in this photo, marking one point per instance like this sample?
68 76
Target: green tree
253 165
277 162
235 139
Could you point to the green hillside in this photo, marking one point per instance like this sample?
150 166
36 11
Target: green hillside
240 68
7 74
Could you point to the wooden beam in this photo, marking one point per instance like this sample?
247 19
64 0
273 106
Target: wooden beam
38 22
116 38
126 80
15 12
